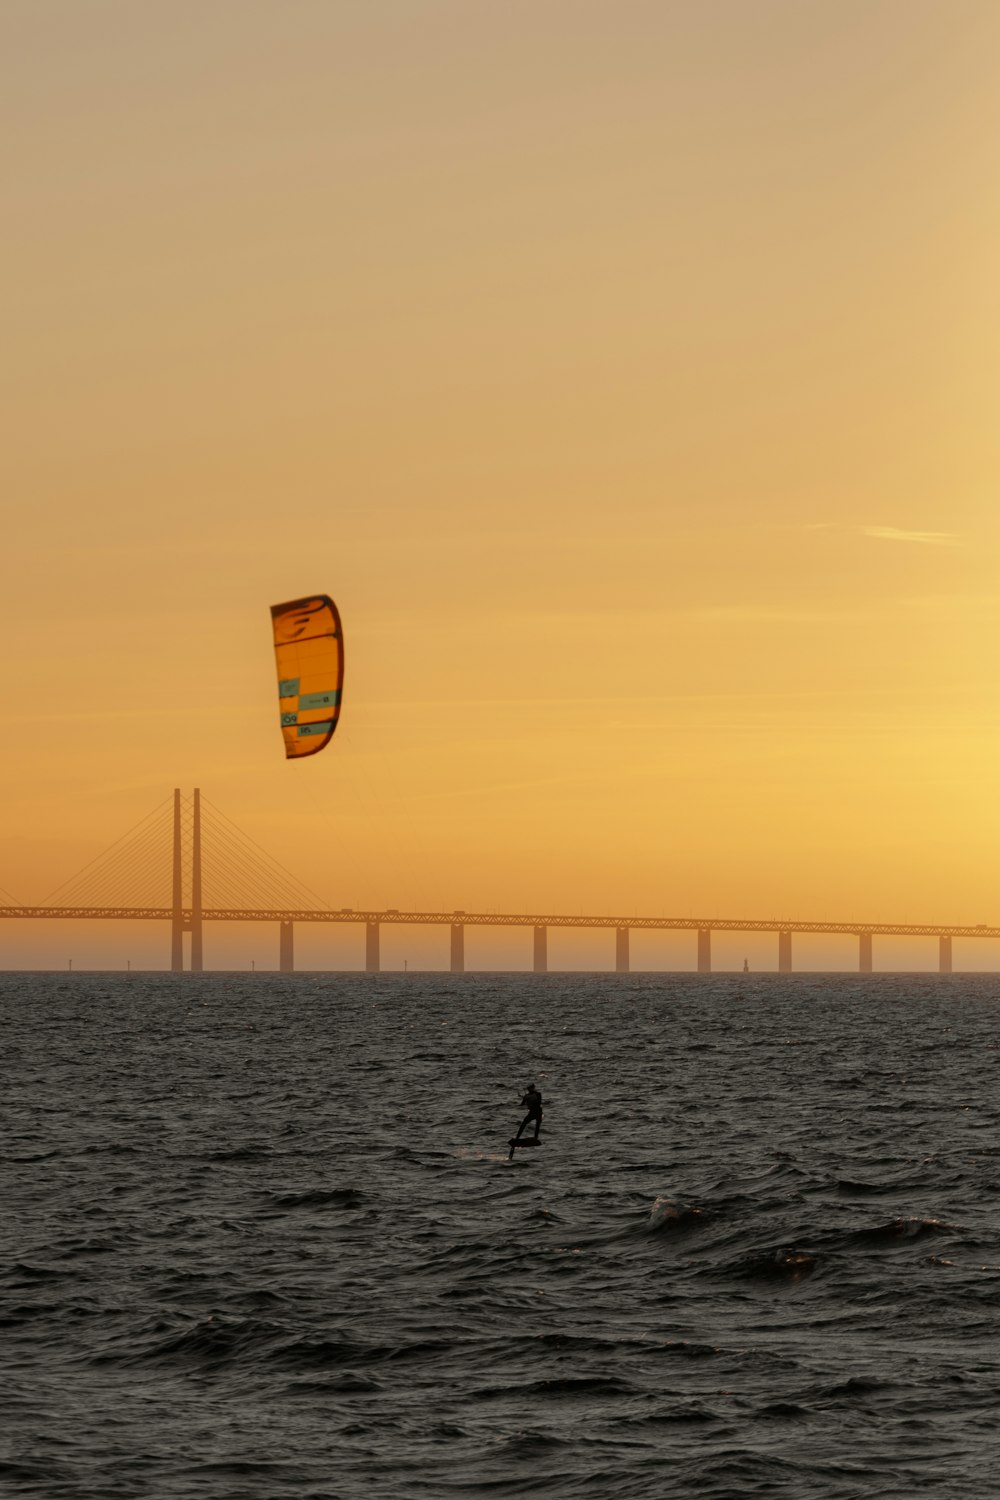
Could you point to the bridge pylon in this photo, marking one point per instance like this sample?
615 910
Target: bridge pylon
186 919
177 893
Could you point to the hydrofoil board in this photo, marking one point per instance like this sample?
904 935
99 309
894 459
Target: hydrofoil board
516 1145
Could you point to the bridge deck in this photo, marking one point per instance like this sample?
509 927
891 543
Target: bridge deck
502 919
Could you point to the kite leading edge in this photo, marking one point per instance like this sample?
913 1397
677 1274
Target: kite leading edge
309 651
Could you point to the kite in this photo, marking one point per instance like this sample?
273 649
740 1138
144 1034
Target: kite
309 651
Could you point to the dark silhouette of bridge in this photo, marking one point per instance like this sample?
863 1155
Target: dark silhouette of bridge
161 869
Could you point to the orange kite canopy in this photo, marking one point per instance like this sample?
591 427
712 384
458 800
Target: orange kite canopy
309 651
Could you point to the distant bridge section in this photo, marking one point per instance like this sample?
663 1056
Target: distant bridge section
373 921
186 845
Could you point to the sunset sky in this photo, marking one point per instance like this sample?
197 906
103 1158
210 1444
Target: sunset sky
626 370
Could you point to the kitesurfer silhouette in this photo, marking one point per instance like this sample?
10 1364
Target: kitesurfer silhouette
532 1102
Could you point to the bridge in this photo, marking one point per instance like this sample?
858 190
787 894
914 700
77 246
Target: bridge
185 843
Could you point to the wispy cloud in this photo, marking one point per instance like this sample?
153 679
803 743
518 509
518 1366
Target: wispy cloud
895 534
889 533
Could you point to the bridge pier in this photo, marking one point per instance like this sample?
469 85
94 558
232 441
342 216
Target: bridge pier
541 955
372 960
944 954
458 947
286 947
784 952
621 950
864 953
704 950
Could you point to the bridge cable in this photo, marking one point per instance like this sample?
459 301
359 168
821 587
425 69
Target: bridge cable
239 862
255 861
229 878
123 848
117 879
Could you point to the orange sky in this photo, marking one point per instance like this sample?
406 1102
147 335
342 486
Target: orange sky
625 369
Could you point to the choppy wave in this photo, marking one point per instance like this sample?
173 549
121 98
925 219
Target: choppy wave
271 1244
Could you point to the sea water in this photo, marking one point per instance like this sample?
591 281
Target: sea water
261 1236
